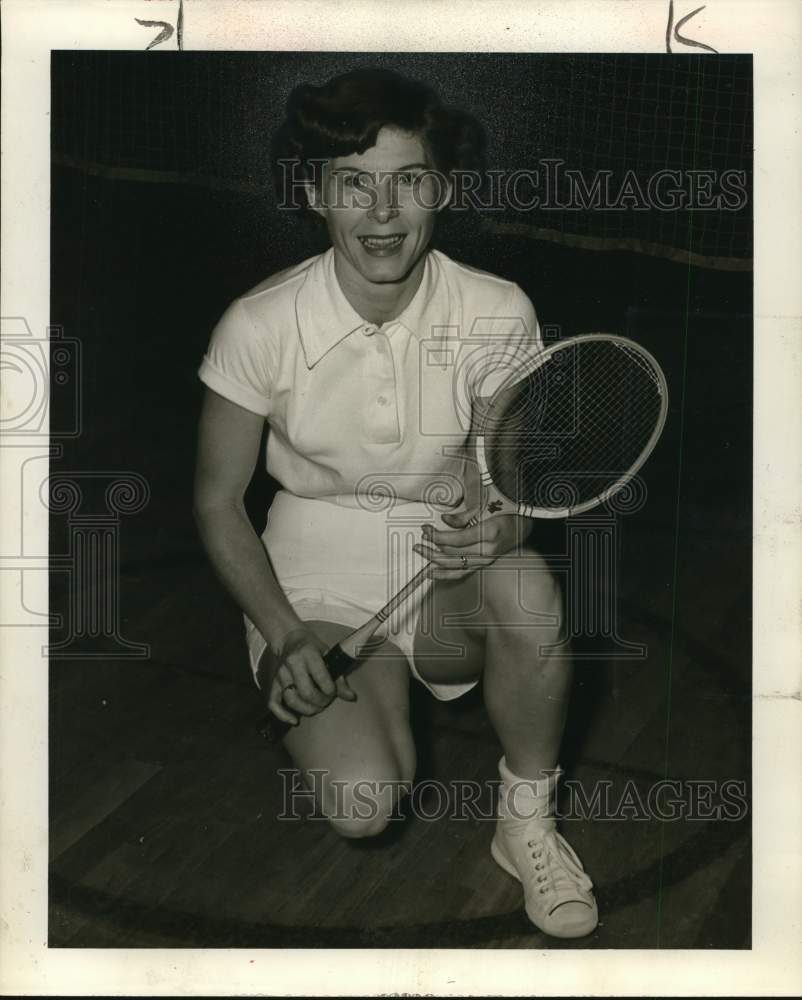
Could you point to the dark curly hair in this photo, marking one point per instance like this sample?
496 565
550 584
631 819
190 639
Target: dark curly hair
344 116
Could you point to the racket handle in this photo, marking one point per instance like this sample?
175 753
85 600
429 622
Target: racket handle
338 663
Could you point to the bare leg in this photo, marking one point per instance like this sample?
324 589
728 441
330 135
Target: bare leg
526 688
505 615
364 749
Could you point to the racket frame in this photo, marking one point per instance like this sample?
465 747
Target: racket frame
491 493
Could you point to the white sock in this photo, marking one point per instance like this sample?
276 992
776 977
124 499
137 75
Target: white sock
524 799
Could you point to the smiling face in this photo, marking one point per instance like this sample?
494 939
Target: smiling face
380 208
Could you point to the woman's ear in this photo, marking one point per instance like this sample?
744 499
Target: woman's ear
314 199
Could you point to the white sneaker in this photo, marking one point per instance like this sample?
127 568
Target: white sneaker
558 895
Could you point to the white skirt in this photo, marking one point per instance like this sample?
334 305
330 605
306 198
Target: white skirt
342 564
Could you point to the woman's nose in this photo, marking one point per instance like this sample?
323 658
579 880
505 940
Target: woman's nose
383 207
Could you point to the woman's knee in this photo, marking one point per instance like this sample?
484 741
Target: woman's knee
353 828
520 585
364 807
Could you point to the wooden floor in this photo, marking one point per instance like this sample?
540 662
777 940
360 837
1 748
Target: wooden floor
164 798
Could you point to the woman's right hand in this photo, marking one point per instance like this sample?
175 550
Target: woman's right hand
301 683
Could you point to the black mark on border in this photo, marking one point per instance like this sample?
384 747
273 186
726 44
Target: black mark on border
672 30
167 29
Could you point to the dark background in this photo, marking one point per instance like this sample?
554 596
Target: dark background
163 211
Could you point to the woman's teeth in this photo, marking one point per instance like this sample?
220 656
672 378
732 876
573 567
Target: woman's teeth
381 242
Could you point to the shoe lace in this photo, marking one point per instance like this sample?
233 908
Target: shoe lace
559 870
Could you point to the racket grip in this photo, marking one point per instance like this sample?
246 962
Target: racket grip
339 663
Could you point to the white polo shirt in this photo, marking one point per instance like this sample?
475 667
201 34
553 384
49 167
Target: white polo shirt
357 410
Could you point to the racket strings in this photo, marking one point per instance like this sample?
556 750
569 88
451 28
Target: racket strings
575 426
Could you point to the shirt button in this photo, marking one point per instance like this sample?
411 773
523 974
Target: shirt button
369 330
382 401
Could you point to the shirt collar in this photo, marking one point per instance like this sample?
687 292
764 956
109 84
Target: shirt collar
325 317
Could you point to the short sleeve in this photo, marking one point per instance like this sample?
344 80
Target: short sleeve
512 342
237 364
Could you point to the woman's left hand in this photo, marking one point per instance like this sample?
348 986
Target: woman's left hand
458 550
